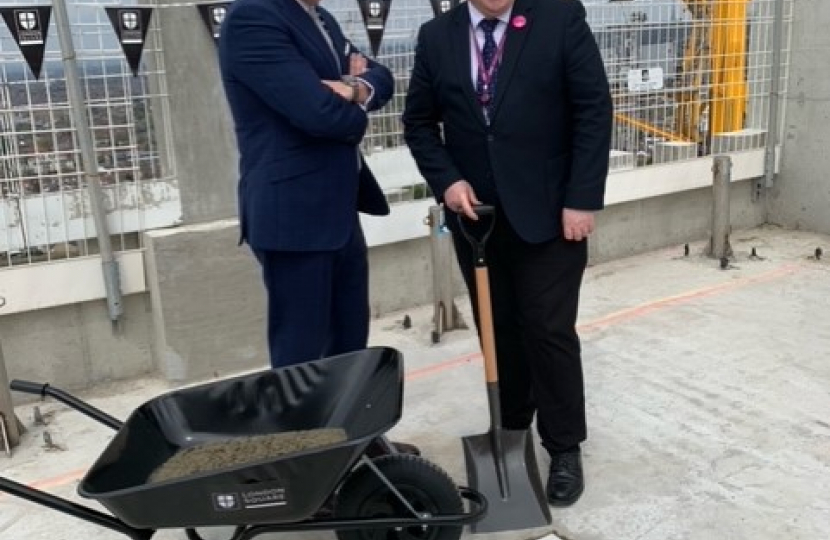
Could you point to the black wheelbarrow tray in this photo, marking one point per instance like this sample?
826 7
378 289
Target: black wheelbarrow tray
337 486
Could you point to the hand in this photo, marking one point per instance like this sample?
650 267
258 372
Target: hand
460 198
358 65
340 88
577 225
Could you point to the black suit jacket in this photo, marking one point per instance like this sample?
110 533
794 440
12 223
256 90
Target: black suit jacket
547 146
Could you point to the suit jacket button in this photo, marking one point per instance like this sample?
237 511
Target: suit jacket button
491 138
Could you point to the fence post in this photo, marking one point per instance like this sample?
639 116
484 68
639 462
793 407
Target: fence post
89 159
11 428
721 184
446 316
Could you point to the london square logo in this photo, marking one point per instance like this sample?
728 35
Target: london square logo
131 31
214 15
225 502
443 6
29 28
219 13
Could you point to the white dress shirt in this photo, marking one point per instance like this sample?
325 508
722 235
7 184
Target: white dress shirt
478 43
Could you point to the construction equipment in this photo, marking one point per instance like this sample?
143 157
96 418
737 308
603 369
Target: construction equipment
710 93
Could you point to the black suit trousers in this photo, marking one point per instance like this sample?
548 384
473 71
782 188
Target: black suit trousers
535 297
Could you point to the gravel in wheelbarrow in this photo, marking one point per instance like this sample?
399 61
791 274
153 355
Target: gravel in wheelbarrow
268 447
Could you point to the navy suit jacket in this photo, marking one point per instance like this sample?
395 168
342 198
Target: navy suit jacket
302 180
547 146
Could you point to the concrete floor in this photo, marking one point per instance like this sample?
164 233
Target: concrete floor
708 397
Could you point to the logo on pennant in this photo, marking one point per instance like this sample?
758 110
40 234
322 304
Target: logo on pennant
375 14
29 26
130 25
219 13
440 7
214 15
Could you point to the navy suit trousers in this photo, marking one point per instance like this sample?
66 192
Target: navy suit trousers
318 301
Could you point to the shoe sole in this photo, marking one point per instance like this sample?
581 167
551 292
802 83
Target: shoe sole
561 503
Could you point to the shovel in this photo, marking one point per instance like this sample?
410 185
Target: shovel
501 464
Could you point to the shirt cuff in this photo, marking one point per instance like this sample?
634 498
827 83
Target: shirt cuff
371 92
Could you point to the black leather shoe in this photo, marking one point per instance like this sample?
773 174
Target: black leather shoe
565 483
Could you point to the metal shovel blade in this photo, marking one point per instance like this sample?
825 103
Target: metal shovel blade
502 466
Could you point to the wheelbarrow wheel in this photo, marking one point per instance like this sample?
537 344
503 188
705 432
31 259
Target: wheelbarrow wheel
427 488
193 534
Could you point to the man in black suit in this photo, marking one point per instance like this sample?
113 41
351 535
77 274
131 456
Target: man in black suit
509 105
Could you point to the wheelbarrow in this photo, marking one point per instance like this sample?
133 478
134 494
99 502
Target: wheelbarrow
334 486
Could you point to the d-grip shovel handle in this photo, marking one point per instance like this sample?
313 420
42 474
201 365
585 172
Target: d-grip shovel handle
485 308
487 212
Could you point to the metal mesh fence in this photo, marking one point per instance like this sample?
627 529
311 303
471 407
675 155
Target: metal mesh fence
44 208
689 77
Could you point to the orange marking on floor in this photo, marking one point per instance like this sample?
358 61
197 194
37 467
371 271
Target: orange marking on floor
644 309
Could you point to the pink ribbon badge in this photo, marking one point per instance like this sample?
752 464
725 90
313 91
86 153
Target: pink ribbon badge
519 21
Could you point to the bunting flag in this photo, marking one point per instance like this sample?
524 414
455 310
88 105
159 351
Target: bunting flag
130 25
29 25
214 14
440 7
375 13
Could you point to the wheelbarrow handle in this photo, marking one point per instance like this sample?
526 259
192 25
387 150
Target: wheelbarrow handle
44 389
485 211
29 387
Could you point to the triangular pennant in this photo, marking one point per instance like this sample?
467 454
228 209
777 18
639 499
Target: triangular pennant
442 6
130 25
214 15
375 13
29 25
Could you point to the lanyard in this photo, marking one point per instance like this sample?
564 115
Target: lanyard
487 74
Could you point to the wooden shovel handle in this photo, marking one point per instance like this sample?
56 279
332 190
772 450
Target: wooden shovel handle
485 315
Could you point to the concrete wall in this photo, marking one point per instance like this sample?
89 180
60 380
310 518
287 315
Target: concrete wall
801 197
75 346
654 223
209 302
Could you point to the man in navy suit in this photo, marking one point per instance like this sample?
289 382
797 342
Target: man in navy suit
509 105
299 93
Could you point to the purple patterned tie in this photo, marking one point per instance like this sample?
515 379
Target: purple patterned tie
488 54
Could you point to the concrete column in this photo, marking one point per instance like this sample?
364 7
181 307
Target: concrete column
801 196
198 123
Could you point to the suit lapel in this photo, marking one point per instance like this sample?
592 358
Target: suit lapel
461 50
301 18
338 41
514 43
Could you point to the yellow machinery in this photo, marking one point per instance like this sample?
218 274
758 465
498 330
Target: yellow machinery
714 62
